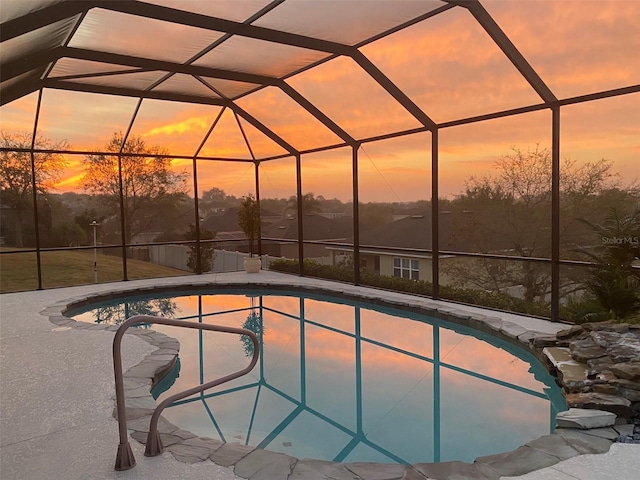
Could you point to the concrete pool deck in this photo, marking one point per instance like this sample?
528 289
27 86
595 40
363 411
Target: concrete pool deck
56 391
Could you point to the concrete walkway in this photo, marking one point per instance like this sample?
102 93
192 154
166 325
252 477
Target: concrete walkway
56 392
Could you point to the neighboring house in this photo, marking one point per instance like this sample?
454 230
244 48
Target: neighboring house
316 227
225 225
381 248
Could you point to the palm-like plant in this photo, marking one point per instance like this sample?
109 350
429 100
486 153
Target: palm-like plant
613 281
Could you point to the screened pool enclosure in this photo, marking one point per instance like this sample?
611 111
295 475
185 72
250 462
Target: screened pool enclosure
466 150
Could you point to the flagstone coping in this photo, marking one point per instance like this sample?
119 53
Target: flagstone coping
257 464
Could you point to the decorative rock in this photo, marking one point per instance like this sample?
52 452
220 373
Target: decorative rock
203 442
584 350
606 377
135 413
554 445
628 370
411 474
145 403
167 439
628 389
626 429
582 442
183 434
571 332
585 418
320 470
628 350
600 364
142 425
572 374
512 330
136 392
608 326
606 389
230 453
376 471
608 433
190 453
604 339
557 355
527 337
165 351
457 470
518 462
132 383
265 465
544 341
618 405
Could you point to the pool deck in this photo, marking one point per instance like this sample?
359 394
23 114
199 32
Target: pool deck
56 392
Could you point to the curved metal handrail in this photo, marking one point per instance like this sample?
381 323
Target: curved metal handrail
124 458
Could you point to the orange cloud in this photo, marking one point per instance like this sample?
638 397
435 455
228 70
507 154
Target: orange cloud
577 47
447 65
181 127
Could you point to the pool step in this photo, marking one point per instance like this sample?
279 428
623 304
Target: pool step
572 374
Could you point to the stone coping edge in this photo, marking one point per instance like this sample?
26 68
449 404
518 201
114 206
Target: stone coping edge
248 461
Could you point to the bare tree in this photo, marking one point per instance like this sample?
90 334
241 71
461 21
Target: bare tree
509 213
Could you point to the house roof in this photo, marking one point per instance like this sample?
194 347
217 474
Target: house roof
413 232
315 227
226 221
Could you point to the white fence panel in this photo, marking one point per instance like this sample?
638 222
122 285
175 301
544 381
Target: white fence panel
177 256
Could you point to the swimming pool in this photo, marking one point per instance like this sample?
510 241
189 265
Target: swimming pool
349 382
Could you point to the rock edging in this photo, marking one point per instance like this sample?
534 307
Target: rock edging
597 365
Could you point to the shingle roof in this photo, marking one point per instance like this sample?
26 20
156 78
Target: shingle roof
315 227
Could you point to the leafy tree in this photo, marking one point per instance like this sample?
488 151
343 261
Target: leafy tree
73 234
375 215
254 324
15 174
214 194
118 313
510 213
207 252
149 187
84 221
310 204
249 219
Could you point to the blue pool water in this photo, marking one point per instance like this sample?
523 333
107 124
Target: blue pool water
346 381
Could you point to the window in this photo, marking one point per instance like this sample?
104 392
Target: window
406 268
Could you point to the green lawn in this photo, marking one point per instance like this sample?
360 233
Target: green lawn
18 271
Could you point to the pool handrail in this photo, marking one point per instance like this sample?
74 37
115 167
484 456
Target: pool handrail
124 458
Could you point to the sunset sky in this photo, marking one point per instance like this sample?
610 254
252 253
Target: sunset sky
447 65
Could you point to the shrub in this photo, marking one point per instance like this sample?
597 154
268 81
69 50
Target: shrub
345 273
207 252
613 282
